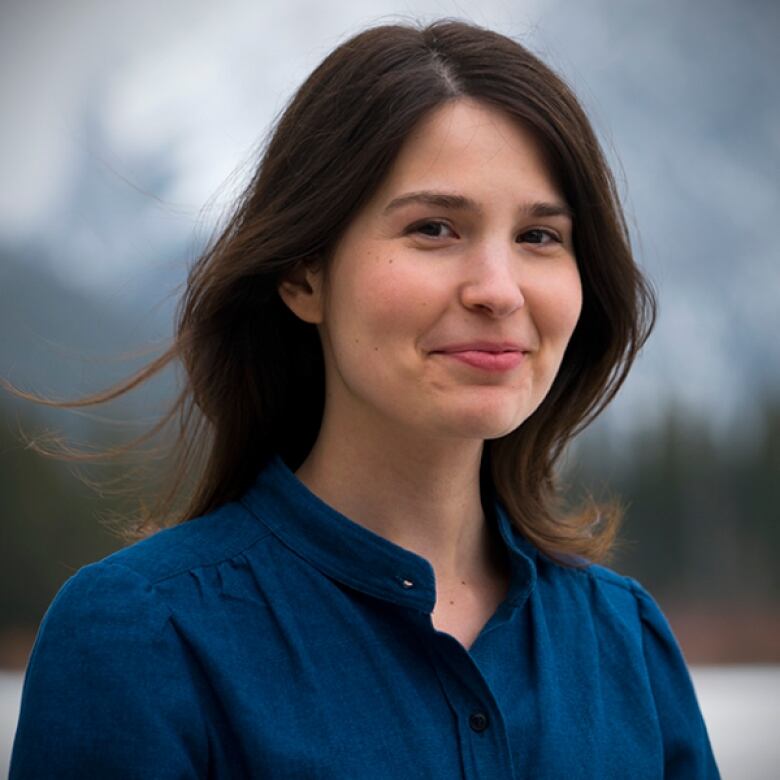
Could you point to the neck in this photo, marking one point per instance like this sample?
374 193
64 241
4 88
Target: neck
425 499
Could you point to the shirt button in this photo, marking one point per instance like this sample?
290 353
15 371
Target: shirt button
478 721
407 583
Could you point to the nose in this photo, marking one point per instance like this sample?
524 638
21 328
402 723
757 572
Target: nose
493 282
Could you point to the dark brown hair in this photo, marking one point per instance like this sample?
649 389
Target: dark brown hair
254 373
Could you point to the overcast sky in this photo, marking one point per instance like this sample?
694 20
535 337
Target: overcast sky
121 120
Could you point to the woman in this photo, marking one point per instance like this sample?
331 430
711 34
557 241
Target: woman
425 292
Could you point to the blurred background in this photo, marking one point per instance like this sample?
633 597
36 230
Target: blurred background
127 131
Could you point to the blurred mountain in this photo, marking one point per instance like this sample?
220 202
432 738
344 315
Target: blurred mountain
63 342
683 95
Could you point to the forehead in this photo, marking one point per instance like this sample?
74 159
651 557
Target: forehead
466 144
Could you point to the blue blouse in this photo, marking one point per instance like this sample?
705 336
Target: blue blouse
276 638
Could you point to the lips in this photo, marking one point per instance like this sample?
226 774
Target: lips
482 346
487 356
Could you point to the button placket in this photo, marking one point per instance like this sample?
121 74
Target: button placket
484 739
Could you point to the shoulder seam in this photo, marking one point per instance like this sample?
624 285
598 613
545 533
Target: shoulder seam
626 583
184 569
160 601
622 581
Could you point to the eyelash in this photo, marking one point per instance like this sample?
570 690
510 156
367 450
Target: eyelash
552 235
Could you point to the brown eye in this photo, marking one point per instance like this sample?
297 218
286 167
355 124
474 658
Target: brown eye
430 229
540 236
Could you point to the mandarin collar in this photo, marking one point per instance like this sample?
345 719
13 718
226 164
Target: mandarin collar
359 558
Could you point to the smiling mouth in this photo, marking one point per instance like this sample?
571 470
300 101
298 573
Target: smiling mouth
486 361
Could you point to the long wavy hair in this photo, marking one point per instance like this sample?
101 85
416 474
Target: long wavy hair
254 373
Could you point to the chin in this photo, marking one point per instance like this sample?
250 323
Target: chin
484 426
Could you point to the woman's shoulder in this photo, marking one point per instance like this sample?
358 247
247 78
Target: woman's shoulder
110 643
609 623
202 541
132 591
615 609
138 580
606 593
632 632
571 571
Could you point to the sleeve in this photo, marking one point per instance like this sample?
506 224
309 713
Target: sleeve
687 751
109 689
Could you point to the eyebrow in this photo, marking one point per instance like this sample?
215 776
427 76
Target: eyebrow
453 201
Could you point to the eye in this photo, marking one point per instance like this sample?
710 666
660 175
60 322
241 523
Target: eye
431 229
540 236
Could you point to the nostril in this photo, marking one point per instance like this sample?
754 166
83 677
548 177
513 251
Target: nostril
497 305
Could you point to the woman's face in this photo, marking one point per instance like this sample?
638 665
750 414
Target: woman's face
451 297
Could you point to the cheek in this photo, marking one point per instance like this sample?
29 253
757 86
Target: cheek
558 305
368 317
574 307
384 305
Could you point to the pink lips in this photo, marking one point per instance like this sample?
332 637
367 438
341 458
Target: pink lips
484 355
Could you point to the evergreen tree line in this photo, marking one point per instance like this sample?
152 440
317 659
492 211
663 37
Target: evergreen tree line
702 513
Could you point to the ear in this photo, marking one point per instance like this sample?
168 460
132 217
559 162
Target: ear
302 292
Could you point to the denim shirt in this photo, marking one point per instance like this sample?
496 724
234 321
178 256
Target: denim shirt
277 638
